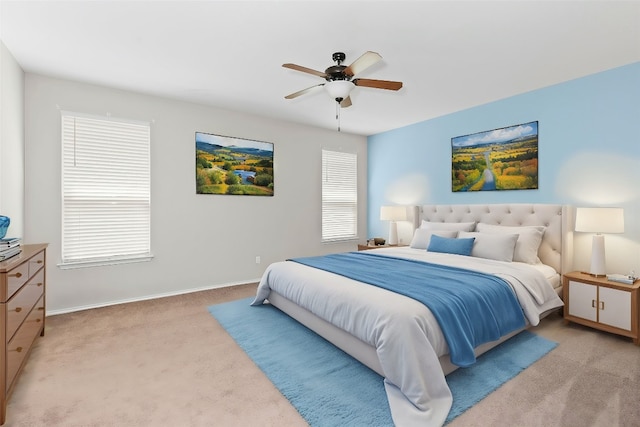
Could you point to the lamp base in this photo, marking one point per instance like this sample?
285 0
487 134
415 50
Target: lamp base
393 234
597 268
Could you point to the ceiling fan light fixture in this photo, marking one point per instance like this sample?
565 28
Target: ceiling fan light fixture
339 89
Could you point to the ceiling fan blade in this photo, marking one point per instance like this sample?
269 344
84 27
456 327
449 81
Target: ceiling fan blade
366 60
303 91
378 84
346 102
305 70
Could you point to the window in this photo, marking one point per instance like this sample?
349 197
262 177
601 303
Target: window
339 196
106 198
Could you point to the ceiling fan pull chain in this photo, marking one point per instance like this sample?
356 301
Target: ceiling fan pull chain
338 114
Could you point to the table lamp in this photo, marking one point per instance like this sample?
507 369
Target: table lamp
393 214
599 220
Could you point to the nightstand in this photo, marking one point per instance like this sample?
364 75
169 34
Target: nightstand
367 247
601 304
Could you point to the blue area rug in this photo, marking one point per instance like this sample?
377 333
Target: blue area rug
330 388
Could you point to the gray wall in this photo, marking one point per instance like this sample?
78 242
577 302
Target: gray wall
11 142
199 241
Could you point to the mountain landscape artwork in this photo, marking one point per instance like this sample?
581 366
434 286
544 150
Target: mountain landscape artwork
498 159
236 166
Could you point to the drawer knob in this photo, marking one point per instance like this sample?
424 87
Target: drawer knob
39 284
39 261
19 349
18 309
18 275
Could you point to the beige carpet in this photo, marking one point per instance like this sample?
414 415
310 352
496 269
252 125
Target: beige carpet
167 362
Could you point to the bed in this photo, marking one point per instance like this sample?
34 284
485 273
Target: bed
398 336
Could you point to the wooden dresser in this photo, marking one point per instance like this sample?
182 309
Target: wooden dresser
22 310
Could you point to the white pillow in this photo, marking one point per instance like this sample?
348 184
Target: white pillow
457 226
422 237
529 239
492 245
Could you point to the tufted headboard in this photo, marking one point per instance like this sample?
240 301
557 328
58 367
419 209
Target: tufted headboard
555 249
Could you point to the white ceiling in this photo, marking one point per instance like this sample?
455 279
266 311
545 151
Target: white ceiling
451 55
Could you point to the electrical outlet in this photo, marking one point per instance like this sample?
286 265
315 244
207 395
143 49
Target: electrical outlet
257 260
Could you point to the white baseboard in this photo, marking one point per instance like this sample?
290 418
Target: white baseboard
147 297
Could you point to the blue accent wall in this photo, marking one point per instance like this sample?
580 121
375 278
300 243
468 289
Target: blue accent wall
588 150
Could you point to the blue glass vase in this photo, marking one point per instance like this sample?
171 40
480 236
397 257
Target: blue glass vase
4 225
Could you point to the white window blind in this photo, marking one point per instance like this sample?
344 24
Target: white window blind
106 197
339 196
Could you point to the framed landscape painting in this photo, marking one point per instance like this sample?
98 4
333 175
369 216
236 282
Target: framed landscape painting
228 165
499 159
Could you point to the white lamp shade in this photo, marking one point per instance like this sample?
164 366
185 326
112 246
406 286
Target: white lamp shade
339 88
393 213
600 220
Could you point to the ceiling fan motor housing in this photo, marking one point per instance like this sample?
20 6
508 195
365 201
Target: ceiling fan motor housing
336 72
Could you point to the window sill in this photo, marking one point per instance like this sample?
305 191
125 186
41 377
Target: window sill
69 265
341 240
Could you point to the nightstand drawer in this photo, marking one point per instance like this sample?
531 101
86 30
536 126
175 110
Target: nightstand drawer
20 305
583 301
615 308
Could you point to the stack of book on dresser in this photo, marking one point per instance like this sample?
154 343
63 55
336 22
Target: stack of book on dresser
9 247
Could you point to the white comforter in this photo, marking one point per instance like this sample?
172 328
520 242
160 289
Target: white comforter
405 334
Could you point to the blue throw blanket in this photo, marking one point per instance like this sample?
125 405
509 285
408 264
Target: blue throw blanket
471 307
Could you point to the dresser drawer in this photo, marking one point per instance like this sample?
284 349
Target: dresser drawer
16 278
36 263
19 306
20 345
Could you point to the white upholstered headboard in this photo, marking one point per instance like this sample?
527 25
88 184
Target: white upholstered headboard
556 247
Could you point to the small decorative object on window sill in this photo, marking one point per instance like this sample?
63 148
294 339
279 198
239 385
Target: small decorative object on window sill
4 225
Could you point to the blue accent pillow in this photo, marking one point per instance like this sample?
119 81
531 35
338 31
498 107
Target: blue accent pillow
451 245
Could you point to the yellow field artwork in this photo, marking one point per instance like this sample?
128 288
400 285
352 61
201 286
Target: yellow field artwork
499 159
227 165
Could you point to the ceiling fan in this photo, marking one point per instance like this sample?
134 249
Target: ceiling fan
340 81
